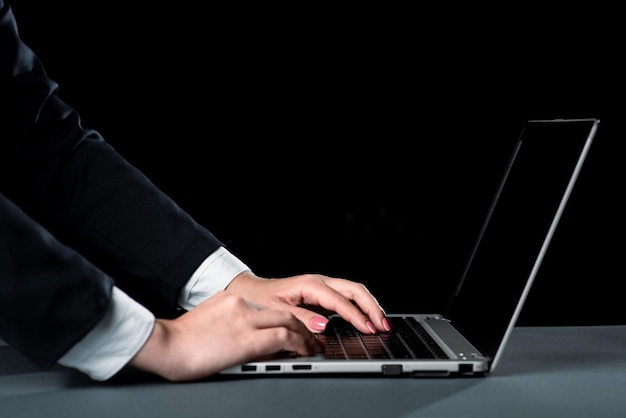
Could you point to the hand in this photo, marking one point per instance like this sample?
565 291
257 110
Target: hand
297 294
223 331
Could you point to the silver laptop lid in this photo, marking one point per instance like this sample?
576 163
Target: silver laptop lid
514 239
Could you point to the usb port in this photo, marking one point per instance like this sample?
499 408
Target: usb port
272 368
301 367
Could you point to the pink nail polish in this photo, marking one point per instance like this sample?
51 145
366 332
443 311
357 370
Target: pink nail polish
319 323
386 324
371 327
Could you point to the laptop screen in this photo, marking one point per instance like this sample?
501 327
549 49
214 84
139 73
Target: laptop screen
544 164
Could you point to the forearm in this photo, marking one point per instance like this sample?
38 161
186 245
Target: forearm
130 332
72 182
50 296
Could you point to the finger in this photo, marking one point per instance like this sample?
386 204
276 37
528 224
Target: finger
350 300
360 295
311 318
286 332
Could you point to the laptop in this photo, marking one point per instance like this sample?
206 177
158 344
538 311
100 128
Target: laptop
468 339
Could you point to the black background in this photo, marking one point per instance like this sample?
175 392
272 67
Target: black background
363 143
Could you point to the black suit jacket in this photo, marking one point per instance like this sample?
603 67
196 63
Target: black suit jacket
75 217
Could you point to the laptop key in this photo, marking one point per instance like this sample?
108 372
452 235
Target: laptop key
342 340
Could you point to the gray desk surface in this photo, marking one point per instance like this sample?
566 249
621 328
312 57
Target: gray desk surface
545 372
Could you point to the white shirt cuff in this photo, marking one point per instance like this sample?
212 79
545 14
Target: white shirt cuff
213 275
127 325
114 341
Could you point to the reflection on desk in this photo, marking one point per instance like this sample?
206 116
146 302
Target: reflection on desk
545 371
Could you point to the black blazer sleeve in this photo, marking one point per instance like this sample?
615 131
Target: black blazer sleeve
75 185
50 296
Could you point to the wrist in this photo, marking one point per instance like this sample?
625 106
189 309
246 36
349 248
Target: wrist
242 281
154 356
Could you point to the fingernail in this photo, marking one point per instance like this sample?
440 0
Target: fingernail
386 324
318 323
371 327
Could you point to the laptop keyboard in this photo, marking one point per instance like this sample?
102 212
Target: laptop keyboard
407 340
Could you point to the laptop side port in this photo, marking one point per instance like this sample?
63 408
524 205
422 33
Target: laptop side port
430 373
391 369
466 368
